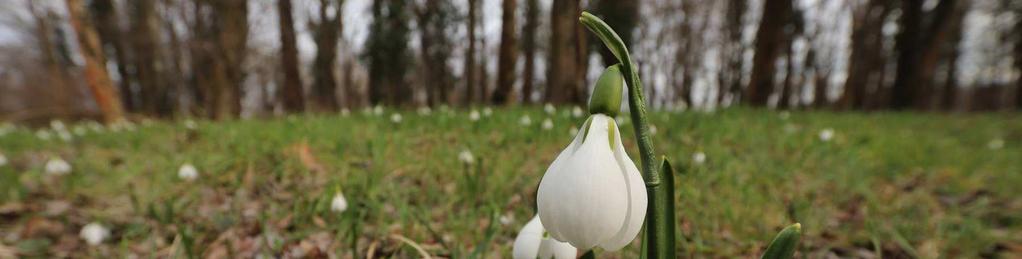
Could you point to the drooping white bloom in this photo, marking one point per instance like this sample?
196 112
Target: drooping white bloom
3 159
378 110
466 157
826 134
94 233
473 115
547 124
532 243
487 112
506 219
188 172
549 109
995 144
338 203
573 131
576 112
424 110
592 194
699 158
57 166
525 120
396 118
652 129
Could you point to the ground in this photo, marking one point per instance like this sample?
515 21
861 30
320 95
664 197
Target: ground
893 184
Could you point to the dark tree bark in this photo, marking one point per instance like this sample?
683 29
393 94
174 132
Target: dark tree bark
623 17
96 76
435 18
470 53
770 39
326 34
731 74
867 49
145 41
504 94
387 48
566 59
107 23
529 49
291 89
918 45
219 47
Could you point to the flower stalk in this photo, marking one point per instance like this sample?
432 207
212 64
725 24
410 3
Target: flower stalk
660 226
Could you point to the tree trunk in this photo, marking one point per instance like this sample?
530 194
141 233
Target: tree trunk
565 56
732 58
769 41
623 17
529 49
387 49
291 89
326 34
867 49
146 44
470 57
228 34
108 26
95 70
504 94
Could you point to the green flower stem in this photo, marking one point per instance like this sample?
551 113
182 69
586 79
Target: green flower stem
659 213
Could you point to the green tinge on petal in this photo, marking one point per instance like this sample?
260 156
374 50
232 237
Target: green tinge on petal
611 132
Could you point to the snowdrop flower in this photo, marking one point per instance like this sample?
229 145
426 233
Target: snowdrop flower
652 129
396 118
592 194
525 120
487 112
94 233
466 157
547 124
549 109
573 131
532 242
473 115
378 110
188 172
57 166
191 125
699 158
339 203
57 125
576 112
43 134
3 160
826 134
995 144
506 219
424 110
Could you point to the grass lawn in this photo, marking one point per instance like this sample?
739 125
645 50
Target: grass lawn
894 184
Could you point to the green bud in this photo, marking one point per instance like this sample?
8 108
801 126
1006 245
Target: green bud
783 246
606 98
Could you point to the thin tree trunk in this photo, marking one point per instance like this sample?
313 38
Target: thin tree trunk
291 89
504 94
529 49
107 23
565 59
470 57
95 70
769 41
326 34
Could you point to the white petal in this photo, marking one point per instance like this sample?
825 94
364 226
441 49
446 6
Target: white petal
527 243
551 248
339 203
636 211
583 200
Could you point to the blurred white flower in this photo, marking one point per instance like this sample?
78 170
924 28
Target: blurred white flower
549 109
190 124
396 118
424 110
826 134
525 120
506 219
573 131
473 115
995 144
466 157
3 159
577 112
487 112
698 158
652 129
57 125
43 134
94 233
338 203
188 172
547 124
532 242
593 177
57 166
378 110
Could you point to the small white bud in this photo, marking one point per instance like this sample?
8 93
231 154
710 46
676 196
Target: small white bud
338 203
94 233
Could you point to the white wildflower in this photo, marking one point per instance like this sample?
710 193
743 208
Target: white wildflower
94 233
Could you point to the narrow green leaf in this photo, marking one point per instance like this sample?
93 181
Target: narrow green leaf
783 246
